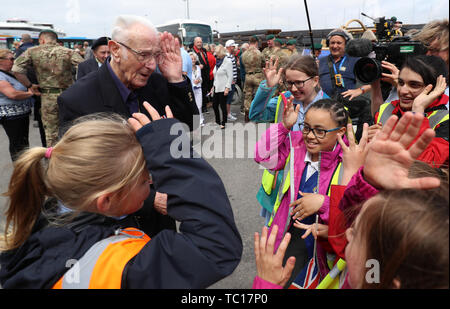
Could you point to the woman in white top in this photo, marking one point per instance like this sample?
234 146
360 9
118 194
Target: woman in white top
15 106
196 80
223 77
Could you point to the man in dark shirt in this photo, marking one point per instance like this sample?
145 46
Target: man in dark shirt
337 64
128 80
339 82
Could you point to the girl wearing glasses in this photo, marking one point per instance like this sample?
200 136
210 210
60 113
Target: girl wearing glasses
301 78
15 105
314 156
396 218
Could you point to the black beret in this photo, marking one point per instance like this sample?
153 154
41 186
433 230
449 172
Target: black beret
100 41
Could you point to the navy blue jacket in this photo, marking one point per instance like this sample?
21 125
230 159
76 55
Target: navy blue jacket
207 249
87 67
346 70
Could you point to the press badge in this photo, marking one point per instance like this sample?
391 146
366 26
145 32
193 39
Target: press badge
339 80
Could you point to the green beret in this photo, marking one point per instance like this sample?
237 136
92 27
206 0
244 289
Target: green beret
48 31
317 46
291 42
270 37
279 41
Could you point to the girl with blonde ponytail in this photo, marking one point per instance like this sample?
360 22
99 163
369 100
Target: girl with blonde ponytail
97 177
77 170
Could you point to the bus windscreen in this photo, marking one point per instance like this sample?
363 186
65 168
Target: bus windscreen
195 30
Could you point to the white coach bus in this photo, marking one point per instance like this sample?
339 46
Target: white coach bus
188 29
13 29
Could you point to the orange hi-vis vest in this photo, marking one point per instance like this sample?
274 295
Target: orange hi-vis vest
101 267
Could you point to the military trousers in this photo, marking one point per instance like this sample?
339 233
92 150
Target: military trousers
251 85
50 117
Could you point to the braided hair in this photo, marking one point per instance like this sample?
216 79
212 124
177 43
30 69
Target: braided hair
337 110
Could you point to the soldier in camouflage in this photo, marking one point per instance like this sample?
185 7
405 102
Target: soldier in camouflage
290 48
268 51
279 54
253 61
53 65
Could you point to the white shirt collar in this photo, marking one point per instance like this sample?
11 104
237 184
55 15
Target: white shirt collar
314 165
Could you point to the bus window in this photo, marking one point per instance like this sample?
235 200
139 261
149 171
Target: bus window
170 28
195 30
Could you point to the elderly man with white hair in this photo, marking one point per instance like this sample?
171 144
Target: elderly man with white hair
127 79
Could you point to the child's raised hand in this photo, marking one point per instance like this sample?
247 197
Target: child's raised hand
269 264
423 100
353 155
272 75
290 114
392 152
139 120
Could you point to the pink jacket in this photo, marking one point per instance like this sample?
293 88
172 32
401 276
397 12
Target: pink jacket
259 283
272 150
357 191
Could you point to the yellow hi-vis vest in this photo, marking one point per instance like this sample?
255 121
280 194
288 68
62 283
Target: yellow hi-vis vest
102 266
434 118
269 177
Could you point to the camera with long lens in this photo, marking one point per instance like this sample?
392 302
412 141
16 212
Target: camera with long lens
369 69
389 48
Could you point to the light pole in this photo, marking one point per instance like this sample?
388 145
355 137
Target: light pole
271 7
187 9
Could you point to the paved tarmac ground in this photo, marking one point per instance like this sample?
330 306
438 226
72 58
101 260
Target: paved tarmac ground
240 175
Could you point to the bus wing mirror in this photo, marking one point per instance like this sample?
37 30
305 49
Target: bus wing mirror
182 32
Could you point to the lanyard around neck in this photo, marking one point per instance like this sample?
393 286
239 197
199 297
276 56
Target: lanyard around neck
340 65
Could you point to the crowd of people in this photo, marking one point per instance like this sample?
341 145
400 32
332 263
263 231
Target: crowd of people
349 178
323 178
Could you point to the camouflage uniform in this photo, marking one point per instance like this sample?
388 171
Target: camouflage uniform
289 52
253 62
267 52
53 65
281 56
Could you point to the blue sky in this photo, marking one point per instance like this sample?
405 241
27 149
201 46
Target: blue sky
94 18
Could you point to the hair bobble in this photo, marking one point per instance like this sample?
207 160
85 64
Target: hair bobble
48 152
